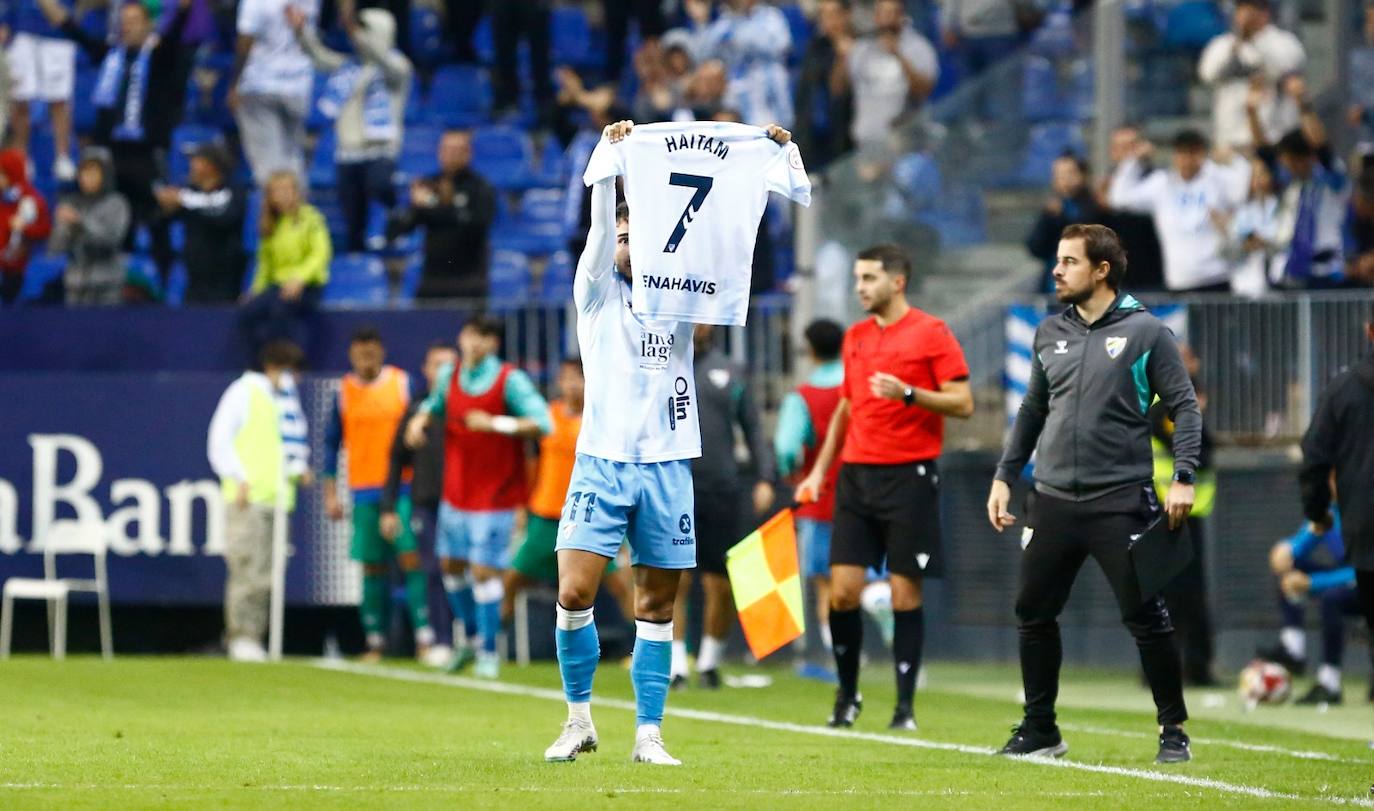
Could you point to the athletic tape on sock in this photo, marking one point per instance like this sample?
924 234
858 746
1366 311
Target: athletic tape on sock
488 591
572 620
654 631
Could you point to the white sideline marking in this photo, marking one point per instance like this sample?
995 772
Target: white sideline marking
1301 754
1258 792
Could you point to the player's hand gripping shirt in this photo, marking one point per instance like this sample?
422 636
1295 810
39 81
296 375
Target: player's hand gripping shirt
641 396
697 192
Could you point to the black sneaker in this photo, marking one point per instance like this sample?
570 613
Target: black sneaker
1320 695
847 709
1174 746
1027 741
709 679
679 682
1280 655
903 718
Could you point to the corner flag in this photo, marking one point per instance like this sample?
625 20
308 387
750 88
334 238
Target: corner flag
765 577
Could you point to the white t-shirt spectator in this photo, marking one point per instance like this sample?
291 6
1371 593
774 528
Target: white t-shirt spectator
277 66
879 83
1192 242
1227 65
754 48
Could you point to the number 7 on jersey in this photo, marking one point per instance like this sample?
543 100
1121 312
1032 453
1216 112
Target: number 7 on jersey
702 184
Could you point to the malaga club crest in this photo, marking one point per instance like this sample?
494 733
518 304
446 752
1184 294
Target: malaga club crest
1115 345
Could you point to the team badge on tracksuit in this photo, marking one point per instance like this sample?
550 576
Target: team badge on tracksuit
1115 345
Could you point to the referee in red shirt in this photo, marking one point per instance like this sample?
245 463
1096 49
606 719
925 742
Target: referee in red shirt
903 374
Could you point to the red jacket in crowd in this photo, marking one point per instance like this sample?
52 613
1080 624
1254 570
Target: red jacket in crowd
24 216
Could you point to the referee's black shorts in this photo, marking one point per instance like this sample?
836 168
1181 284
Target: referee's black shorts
888 514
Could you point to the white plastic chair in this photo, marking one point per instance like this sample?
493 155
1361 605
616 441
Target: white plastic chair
65 537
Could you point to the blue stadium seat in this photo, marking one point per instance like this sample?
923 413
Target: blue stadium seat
542 206
553 167
483 42
571 37
556 284
356 278
321 168
508 278
1040 98
1192 24
917 177
504 156
83 115
459 96
530 238
419 152
1055 36
43 269
1080 96
1047 142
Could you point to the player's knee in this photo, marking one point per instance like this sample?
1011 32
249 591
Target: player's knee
374 569
574 595
844 598
653 606
408 561
454 566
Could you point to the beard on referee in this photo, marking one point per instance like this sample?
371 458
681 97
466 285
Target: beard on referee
903 374
1095 369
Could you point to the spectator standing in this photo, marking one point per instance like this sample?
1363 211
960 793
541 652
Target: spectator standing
257 429
1360 80
825 103
1359 239
213 211
293 264
1186 203
1340 441
270 86
1071 202
425 466
1252 235
753 39
1136 230
366 98
512 21
24 221
647 14
89 228
706 92
725 402
456 208
1312 209
803 424
982 33
1253 48
658 96
42 67
137 108
892 71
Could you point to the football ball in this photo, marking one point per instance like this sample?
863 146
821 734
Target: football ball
1264 682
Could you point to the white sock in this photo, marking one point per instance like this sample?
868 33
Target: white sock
825 637
424 637
376 641
1294 640
1329 677
580 711
708 658
679 665
644 730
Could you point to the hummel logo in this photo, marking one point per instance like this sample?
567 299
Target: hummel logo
922 559
903 667
1136 536
1061 347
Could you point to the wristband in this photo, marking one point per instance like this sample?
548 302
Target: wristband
503 424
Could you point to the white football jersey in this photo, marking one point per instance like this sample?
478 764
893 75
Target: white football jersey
696 193
641 399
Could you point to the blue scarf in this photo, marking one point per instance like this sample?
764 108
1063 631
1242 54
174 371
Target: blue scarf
111 78
1302 250
379 124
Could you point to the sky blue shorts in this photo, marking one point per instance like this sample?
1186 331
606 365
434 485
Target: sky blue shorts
651 503
814 539
480 538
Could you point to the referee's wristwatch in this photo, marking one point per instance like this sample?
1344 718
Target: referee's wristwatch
909 396
1185 477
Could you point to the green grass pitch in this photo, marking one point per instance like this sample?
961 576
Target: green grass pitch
202 733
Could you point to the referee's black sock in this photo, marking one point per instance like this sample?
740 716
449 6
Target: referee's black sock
847 635
908 640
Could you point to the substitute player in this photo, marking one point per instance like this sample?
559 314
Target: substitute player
536 561
633 475
489 409
371 403
903 374
1097 367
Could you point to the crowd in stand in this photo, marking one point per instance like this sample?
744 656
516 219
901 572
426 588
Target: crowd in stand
282 153
1264 204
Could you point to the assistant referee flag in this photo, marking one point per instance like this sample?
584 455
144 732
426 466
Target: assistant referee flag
765 577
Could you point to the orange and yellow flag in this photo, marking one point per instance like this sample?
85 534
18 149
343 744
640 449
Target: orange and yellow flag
765 576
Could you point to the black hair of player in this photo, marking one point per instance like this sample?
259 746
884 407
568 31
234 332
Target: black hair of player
825 337
366 335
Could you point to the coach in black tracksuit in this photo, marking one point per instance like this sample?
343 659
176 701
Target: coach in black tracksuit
1096 369
1341 439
